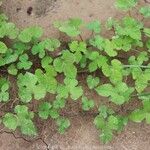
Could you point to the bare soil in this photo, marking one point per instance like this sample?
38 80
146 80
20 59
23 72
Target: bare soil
82 135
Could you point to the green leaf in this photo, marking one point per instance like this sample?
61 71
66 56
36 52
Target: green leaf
63 124
54 113
50 44
146 105
125 4
130 27
12 70
47 44
97 42
145 11
107 123
39 92
147 117
111 22
118 94
76 92
148 44
70 83
24 62
38 49
104 111
62 91
97 61
71 88
20 47
28 128
10 121
106 135
58 64
70 31
87 104
93 66
137 115
68 57
70 71
71 27
94 26
4 90
113 122
11 30
142 57
47 79
65 64
109 48
76 46
92 81
122 93
28 85
8 29
8 58
30 33
147 31
21 110
59 103
46 61
3 47
141 82
123 43
115 72
105 90
99 122
106 69
22 119
44 109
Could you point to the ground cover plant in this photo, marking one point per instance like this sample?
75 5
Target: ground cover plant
30 61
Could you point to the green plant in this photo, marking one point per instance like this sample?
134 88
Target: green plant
92 82
63 124
87 104
22 119
4 87
118 94
117 68
71 27
108 122
145 11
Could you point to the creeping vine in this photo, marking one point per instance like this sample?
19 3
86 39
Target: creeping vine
30 61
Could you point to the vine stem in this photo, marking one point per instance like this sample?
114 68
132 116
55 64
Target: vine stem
80 37
142 19
129 12
142 94
136 50
136 66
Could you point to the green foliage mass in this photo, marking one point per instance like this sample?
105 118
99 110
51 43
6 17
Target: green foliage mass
118 94
48 73
21 118
29 85
4 90
125 5
107 122
145 11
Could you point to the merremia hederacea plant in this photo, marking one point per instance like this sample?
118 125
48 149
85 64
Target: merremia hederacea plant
31 62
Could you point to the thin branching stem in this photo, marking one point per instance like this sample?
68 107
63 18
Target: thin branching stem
80 37
136 66
129 12
142 94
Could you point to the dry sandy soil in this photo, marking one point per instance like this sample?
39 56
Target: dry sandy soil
82 135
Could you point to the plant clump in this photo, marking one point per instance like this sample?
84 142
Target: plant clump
99 57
